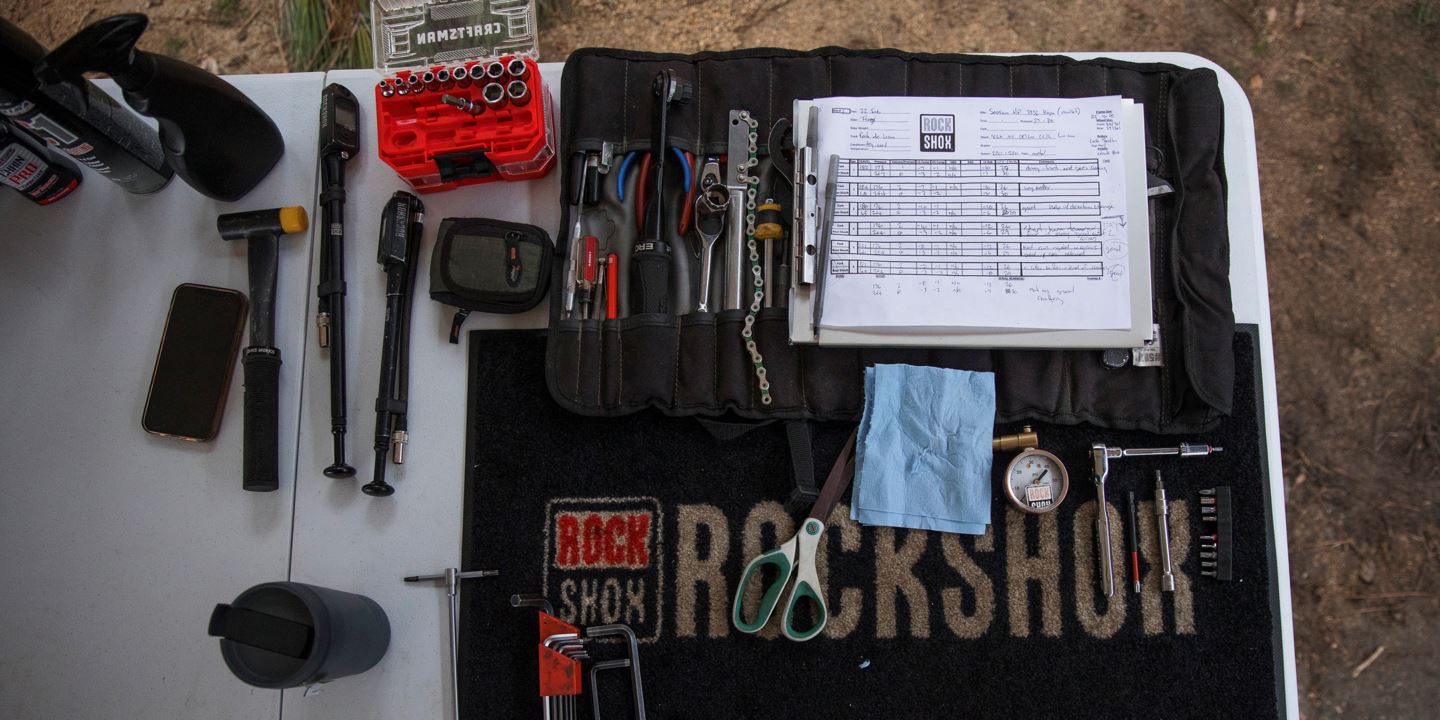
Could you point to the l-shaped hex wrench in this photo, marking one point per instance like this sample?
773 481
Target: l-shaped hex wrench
637 689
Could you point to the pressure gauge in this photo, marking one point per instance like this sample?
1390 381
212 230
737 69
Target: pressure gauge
1036 481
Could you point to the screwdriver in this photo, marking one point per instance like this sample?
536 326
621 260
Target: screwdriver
577 210
612 278
1132 539
588 260
599 298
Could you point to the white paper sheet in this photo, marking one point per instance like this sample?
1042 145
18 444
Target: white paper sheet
975 213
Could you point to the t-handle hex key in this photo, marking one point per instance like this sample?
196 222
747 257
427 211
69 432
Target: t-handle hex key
1100 456
452 577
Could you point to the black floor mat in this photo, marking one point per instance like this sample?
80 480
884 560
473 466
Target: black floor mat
648 520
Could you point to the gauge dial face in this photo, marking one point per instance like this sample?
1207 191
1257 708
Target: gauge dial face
1036 481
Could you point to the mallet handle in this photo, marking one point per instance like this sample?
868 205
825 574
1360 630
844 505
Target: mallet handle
262 418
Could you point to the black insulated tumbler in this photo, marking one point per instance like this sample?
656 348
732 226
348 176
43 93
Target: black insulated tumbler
286 634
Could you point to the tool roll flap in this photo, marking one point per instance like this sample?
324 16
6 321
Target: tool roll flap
696 363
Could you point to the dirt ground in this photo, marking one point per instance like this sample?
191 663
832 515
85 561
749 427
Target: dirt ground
1343 95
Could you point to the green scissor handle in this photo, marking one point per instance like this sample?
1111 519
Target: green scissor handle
783 558
796 557
807 583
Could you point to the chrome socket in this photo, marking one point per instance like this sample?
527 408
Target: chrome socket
494 95
518 93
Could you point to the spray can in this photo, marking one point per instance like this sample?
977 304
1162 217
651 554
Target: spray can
77 118
34 170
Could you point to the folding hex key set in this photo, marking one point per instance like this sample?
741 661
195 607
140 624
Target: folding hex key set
561 650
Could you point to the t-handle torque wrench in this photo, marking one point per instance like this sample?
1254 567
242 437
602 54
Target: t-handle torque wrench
650 289
262 230
339 141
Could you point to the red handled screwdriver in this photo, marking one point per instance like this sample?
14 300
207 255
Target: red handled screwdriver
612 278
600 289
587 275
1132 540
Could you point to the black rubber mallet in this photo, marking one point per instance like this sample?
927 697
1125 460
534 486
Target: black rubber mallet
262 228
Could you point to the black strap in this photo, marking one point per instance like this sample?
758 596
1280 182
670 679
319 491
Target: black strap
802 455
326 287
259 630
455 324
802 466
727 430
332 193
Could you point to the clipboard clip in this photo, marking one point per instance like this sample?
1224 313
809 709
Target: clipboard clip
807 210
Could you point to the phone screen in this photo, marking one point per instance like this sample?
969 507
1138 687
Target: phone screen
195 362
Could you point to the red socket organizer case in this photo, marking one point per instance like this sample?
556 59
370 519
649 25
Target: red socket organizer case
436 146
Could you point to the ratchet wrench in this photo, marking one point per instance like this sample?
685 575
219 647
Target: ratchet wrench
711 204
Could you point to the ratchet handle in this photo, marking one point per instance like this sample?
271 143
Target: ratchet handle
262 418
650 284
1105 568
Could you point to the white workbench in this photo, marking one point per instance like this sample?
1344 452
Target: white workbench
118 544
347 540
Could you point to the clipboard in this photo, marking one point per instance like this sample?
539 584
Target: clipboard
812 219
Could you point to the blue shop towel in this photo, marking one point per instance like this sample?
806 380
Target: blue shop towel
923 454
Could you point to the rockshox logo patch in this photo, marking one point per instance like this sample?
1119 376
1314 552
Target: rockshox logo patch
603 563
603 540
937 133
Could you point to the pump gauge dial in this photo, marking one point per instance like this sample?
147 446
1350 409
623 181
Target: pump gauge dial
1036 481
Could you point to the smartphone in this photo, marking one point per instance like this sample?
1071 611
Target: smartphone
195 362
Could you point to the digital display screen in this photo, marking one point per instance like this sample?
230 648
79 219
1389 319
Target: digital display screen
345 117
192 370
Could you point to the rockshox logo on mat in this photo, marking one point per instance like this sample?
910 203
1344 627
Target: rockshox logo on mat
603 562
671 570
937 133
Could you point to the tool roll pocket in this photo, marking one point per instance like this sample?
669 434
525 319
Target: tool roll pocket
697 363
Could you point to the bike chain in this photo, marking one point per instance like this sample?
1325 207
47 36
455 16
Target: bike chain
748 332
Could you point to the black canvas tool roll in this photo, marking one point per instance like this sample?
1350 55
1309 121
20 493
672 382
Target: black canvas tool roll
696 364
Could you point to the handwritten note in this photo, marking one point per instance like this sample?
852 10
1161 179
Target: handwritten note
985 213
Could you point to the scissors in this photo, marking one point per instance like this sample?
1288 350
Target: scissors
796 558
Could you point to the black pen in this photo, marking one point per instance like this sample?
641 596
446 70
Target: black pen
1132 540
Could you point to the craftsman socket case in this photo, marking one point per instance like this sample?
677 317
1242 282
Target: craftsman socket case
436 146
697 363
